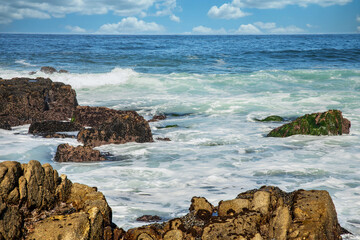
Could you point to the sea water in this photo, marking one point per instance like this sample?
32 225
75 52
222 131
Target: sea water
211 88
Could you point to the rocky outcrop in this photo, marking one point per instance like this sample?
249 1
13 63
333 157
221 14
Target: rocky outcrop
35 203
326 123
24 100
272 118
48 70
266 213
157 118
111 126
68 153
48 127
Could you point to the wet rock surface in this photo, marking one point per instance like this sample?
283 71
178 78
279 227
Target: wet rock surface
24 100
35 203
68 153
111 126
326 123
273 118
48 127
157 118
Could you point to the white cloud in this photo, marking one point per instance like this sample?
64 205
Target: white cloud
262 25
227 11
174 18
248 29
265 4
75 29
131 25
287 30
208 31
11 10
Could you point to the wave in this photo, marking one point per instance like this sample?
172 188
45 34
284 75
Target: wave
24 63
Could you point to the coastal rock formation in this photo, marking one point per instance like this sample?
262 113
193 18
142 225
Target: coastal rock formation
35 203
266 213
48 70
47 127
326 123
68 153
111 126
24 100
157 118
272 118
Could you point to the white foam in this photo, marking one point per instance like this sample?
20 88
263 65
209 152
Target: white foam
25 63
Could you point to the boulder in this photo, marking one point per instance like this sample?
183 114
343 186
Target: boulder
48 70
265 213
157 118
24 100
111 126
68 153
47 127
326 123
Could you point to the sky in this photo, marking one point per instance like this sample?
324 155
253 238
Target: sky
180 16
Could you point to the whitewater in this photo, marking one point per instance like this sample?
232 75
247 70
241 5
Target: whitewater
217 149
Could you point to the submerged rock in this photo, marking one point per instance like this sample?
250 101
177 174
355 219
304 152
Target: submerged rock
157 118
35 203
326 123
63 71
111 126
68 153
266 213
24 100
48 70
272 118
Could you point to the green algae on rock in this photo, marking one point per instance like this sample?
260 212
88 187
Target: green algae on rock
272 118
326 123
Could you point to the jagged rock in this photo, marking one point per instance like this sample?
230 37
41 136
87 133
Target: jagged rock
48 70
149 218
166 139
35 203
24 100
272 118
326 123
68 153
48 127
157 118
111 126
265 213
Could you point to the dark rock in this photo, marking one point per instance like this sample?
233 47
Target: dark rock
111 126
169 126
5 126
67 153
326 123
35 203
24 100
157 118
47 127
265 213
48 70
63 71
57 135
163 139
272 118
149 218
32 73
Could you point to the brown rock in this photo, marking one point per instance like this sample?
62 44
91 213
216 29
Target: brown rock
48 70
201 207
63 71
149 218
24 100
68 153
163 139
157 118
232 207
47 127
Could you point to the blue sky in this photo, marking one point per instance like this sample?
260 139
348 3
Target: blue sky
180 16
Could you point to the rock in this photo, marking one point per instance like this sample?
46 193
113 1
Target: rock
68 153
166 139
47 127
32 73
169 126
35 203
157 118
63 71
24 100
5 126
149 218
265 213
326 123
272 118
111 126
48 70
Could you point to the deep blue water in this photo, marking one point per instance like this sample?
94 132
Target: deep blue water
180 54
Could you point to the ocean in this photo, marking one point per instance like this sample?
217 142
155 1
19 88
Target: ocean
211 88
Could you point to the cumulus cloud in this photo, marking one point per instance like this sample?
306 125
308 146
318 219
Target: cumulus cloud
201 30
20 9
75 29
262 25
174 18
131 25
248 29
286 30
227 11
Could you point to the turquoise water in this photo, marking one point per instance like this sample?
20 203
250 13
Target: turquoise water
217 150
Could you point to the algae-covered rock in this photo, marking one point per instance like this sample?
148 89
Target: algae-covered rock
326 123
272 118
